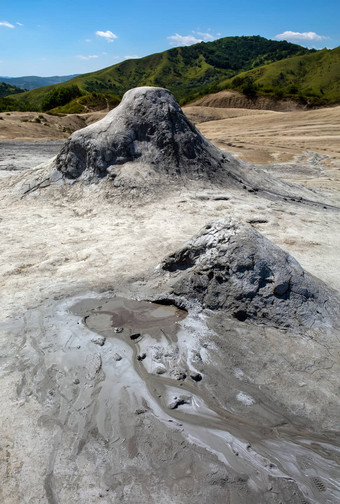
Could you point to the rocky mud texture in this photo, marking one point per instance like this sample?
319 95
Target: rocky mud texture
231 266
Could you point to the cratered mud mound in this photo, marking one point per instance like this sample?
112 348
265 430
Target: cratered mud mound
147 144
149 130
231 266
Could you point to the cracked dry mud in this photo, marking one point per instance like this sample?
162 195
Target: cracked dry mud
113 306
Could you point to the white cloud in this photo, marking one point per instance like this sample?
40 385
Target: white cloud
132 56
88 40
183 39
19 24
7 24
90 56
187 40
108 35
305 36
205 36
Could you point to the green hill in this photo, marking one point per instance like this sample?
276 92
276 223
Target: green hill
312 79
189 72
8 89
7 103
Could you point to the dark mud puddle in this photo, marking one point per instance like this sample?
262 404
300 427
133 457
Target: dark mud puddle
129 318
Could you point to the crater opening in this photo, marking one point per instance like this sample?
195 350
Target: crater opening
129 318
170 302
240 315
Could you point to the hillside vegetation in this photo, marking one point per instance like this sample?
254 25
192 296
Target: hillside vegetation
7 103
8 89
91 102
311 79
189 72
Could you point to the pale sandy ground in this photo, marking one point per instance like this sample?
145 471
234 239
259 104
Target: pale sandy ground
263 137
41 126
85 241
267 137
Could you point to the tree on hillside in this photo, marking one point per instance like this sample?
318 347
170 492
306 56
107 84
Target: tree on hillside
60 96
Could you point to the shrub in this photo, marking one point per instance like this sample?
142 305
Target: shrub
293 89
246 85
60 96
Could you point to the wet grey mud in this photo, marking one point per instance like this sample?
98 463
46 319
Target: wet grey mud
132 315
282 462
118 412
126 420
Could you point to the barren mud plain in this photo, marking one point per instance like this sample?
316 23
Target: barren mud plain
169 306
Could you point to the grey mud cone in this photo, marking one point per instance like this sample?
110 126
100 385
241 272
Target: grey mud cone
147 132
231 266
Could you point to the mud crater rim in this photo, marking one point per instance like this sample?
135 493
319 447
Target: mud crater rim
123 316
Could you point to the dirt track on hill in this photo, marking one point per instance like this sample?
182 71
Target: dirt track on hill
233 99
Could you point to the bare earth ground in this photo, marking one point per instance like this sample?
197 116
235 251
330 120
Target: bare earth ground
262 137
36 126
53 248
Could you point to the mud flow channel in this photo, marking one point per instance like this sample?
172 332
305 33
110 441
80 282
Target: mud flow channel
150 346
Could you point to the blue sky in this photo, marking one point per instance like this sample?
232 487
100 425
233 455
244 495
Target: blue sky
46 37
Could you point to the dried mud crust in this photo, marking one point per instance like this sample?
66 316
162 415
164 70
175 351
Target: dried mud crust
146 147
19 156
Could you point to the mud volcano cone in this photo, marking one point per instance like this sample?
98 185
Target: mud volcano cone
232 267
146 134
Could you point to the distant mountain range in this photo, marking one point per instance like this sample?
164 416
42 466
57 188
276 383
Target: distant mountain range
33 82
253 65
